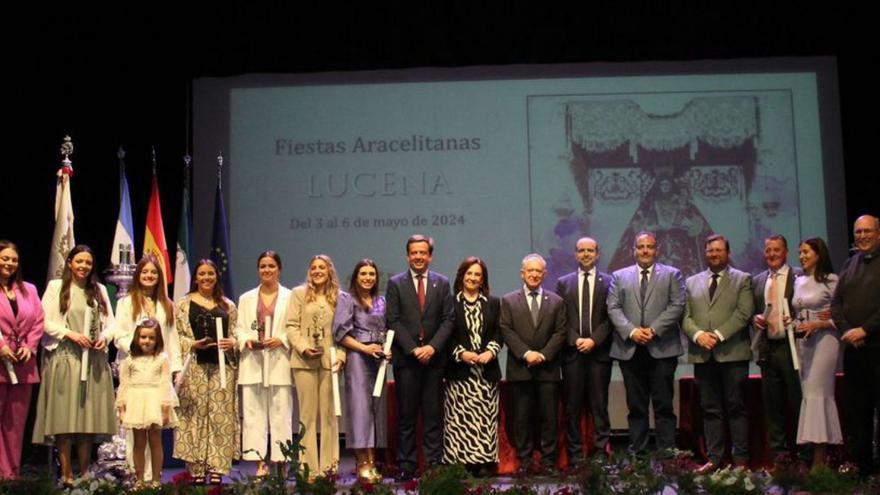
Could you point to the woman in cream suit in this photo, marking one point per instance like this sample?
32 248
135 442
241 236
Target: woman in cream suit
148 299
78 322
318 315
264 369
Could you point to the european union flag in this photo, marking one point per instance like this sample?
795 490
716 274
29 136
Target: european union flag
220 243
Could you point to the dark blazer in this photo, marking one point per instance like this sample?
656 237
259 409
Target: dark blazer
491 310
521 335
759 338
567 289
403 316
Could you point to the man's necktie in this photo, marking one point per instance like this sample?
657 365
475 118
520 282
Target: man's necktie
713 286
585 306
420 278
533 307
643 290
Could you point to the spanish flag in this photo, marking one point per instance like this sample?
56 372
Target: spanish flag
154 239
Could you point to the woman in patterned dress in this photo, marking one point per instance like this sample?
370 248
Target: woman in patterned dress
78 320
207 437
470 435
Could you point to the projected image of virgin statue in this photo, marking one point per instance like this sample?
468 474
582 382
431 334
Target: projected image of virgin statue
681 166
667 211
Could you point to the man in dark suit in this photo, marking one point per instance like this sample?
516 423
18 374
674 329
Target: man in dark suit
780 383
419 308
586 366
645 304
856 311
533 327
716 321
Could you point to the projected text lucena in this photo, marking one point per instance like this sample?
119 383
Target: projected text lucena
369 184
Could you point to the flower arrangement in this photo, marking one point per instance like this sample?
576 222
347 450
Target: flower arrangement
731 481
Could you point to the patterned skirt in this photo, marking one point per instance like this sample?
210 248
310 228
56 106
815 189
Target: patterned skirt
208 431
470 434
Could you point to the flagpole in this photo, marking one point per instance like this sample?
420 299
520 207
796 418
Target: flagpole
220 169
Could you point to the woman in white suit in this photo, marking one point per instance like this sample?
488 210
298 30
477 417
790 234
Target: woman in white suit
148 299
78 322
264 369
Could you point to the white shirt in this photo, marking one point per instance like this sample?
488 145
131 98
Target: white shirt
781 287
528 292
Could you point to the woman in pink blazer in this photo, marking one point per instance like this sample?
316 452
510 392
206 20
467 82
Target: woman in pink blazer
21 326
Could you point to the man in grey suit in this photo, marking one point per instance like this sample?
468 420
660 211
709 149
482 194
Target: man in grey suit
780 383
533 327
586 366
419 308
645 304
716 321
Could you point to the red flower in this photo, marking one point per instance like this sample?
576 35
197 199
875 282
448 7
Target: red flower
411 485
182 478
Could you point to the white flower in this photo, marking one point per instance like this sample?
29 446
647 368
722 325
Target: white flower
93 486
747 483
729 481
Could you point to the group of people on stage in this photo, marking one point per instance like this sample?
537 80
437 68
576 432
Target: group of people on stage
181 365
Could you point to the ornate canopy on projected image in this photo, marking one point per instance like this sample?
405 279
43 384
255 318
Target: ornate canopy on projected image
682 174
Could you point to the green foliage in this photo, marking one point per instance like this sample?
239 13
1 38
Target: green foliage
30 486
826 481
445 480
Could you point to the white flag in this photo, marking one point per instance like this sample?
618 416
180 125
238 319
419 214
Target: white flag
62 238
124 224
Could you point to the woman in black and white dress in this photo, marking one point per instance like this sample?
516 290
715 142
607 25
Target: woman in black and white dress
470 434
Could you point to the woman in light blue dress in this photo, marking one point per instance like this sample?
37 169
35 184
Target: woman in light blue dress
819 350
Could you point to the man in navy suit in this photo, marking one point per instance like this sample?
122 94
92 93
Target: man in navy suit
419 308
533 327
586 366
645 304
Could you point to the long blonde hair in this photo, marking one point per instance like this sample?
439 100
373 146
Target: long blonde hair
331 288
160 293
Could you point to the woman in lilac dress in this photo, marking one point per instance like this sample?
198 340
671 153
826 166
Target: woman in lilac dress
819 350
365 429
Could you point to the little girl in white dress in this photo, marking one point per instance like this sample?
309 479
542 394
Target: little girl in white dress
146 399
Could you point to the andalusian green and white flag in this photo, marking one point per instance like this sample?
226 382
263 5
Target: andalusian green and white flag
182 270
